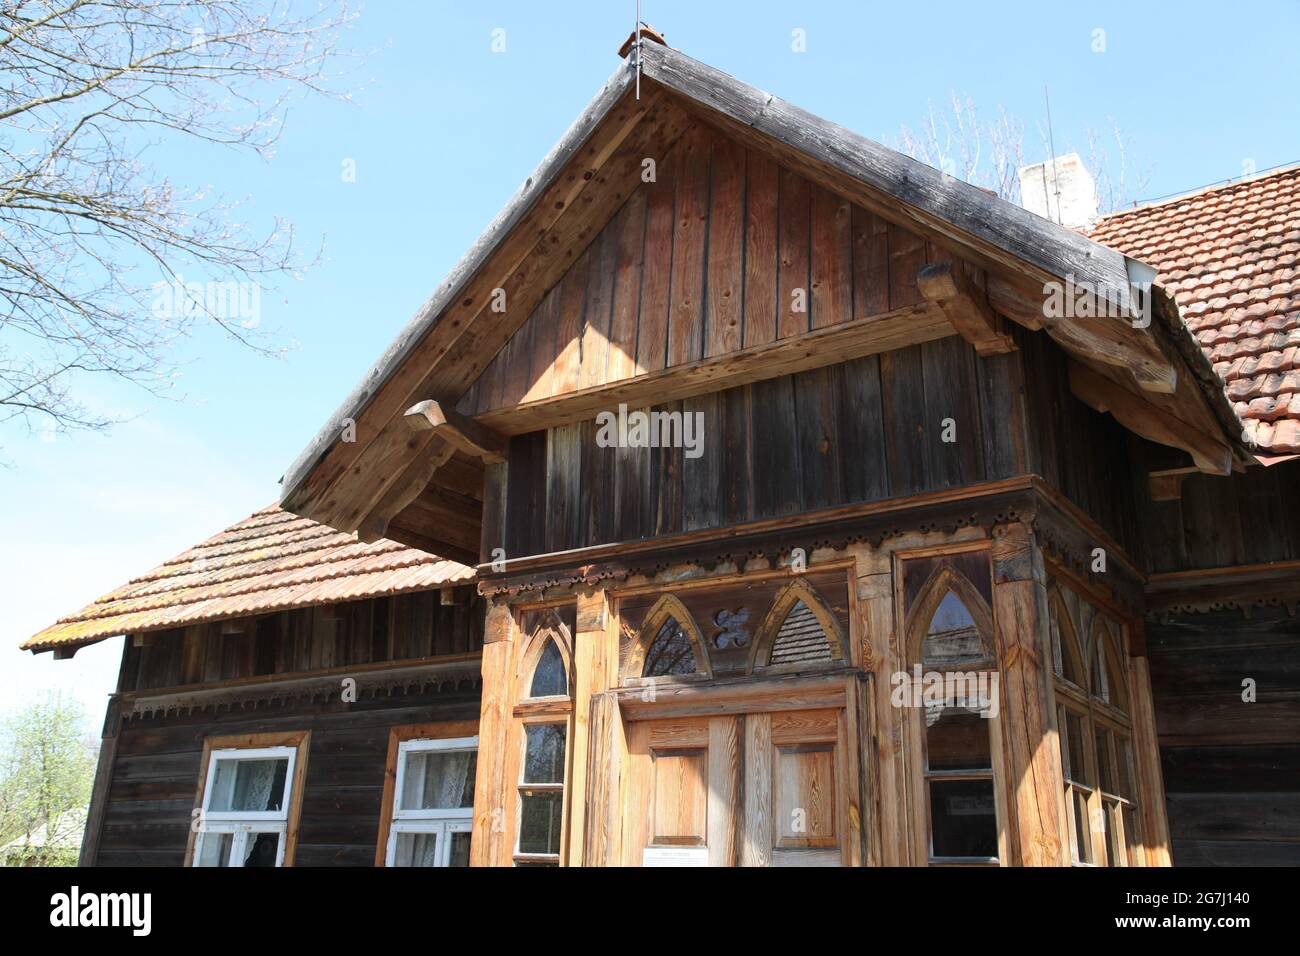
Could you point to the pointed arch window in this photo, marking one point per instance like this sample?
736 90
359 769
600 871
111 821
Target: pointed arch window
950 633
953 639
550 677
670 652
543 712
1095 733
669 644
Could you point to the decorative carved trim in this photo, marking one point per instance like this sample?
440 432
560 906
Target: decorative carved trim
443 677
550 628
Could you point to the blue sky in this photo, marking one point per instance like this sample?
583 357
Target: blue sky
442 130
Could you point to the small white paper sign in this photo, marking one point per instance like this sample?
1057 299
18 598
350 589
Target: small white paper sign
675 856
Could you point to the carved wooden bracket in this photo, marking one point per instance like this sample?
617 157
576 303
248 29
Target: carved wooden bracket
457 430
965 305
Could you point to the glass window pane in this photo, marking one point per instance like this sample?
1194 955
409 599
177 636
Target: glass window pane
540 821
249 785
670 652
439 780
956 738
952 638
544 758
416 849
215 849
459 849
261 849
1116 674
963 821
549 677
1065 652
1076 763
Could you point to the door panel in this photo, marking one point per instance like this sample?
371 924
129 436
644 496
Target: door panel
690 801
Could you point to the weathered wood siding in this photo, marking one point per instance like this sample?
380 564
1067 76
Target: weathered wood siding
719 253
403 627
1231 768
1247 518
862 430
150 799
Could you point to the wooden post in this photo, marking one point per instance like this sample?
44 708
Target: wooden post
884 819
1033 752
595 658
491 841
1150 781
103 779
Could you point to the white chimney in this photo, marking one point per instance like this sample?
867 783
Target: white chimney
1061 190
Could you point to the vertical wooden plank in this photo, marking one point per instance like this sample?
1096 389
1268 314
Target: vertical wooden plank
817 423
794 239
605 808
596 316
627 288
632 492
492 535
776 455
597 479
702 491
832 258
726 281
948 369
564 513
667 476
568 342
686 315
903 401
762 191
656 278
516 364
726 735
1002 410
907 254
738 455
1033 755
862 431
870 264
545 322
757 848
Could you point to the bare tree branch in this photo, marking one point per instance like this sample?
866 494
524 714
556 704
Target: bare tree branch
94 241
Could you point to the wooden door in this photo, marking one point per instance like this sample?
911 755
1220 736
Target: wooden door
767 789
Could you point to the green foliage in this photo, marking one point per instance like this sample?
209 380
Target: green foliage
47 768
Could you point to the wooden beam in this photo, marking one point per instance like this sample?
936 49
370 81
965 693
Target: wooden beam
462 432
444 549
949 287
1167 485
66 653
1135 413
1111 341
414 479
870 335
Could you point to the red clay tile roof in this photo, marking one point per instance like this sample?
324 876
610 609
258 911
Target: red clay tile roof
269 561
1231 257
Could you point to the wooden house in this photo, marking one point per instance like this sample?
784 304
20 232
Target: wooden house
825 510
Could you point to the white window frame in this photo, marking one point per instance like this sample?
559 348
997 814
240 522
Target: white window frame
441 822
242 823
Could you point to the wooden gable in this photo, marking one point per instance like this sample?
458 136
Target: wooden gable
708 277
